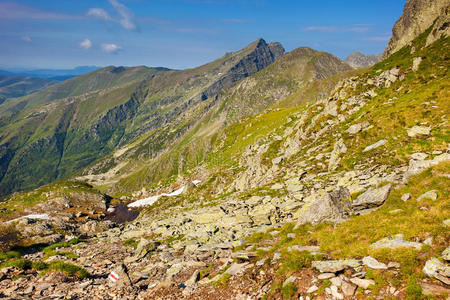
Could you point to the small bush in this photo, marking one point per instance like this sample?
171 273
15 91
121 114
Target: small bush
68 269
9 255
23 264
288 290
39 265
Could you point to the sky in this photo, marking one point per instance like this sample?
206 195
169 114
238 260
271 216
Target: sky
183 34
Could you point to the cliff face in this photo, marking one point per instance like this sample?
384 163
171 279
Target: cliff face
417 16
358 60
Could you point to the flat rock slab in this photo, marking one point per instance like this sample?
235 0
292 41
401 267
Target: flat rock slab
362 283
300 248
430 195
236 269
372 263
376 145
395 242
333 266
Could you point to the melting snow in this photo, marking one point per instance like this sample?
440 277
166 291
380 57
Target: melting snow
153 199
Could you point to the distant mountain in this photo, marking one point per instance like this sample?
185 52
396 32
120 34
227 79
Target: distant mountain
358 60
18 86
54 133
52 74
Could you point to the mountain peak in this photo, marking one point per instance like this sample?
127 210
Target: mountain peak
359 60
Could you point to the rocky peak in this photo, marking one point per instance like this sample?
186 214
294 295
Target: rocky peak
359 60
417 16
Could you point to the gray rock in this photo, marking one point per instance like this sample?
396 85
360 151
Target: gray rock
193 279
348 289
446 223
236 269
336 281
430 195
416 63
394 242
372 198
372 263
325 276
417 166
435 268
406 197
418 130
339 148
355 128
312 289
291 279
323 206
376 145
122 272
446 254
304 248
362 283
333 266
419 156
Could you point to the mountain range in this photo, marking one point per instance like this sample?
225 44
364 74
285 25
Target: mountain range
260 175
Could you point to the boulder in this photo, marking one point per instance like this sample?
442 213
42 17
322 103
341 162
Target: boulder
372 198
446 254
372 263
362 283
435 268
339 148
418 130
394 242
430 195
375 145
417 166
333 266
323 206
355 128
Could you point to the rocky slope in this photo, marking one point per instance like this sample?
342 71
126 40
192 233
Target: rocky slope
418 15
342 198
358 60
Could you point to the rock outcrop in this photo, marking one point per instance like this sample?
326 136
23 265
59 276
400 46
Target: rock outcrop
418 16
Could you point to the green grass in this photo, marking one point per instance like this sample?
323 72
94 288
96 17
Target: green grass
70 270
50 250
23 264
289 290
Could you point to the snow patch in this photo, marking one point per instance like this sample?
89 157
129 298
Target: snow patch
153 199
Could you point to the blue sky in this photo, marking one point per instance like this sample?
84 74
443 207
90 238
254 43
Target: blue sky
183 33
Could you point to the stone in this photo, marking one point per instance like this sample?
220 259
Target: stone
355 128
419 156
174 270
416 63
393 265
348 289
395 211
122 272
418 130
291 279
236 269
193 279
375 145
406 197
362 283
372 198
430 195
336 281
339 148
335 293
394 242
446 223
261 262
446 254
333 266
435 268
434 289
325 276
372 263
323 206
277 186
276 257
428 241
312 289
417 166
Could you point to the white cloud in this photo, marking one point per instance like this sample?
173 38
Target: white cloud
99 13
111 48
26 39
125 18
86 44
